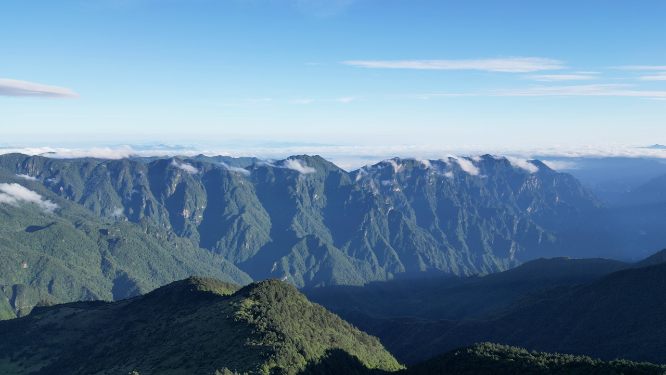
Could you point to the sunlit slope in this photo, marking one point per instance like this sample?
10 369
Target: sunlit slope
70 254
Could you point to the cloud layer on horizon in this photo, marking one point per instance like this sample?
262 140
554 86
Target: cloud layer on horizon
351 157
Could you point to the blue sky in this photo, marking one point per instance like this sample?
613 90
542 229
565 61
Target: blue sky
348 72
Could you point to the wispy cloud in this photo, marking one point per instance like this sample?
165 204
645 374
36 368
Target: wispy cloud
465 165
584 72
522 163
297 165
13 87
344 100
640 67
116 213
27 177
659 77
184 166
242 171
428 96
13 193
560 164
560 77
508 64
584 90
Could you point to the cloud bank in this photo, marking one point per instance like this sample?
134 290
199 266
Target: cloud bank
509 64
14 193
352 157
13 87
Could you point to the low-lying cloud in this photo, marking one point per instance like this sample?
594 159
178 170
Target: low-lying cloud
116 213
297 165
560 164
184 166
14 87
522 163
466 165
27 177
12 194
242 171
508 64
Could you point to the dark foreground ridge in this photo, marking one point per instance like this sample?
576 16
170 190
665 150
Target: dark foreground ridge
619 315
193 326
206 326
496 359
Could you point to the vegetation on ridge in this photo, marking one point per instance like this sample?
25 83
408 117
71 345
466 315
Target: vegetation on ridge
194 326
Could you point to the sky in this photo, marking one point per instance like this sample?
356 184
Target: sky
401 76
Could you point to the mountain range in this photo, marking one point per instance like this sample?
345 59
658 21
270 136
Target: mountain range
117 228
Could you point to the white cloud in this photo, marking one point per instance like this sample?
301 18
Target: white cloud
387 182
560 77
344 100
659 77
522 163
13 87
65 153
297 165
27 177
13 193
467 166
396 167
117 212
242 171
641 67
584 90
426 163
508 64
560 164
428 96
186 167
587 72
